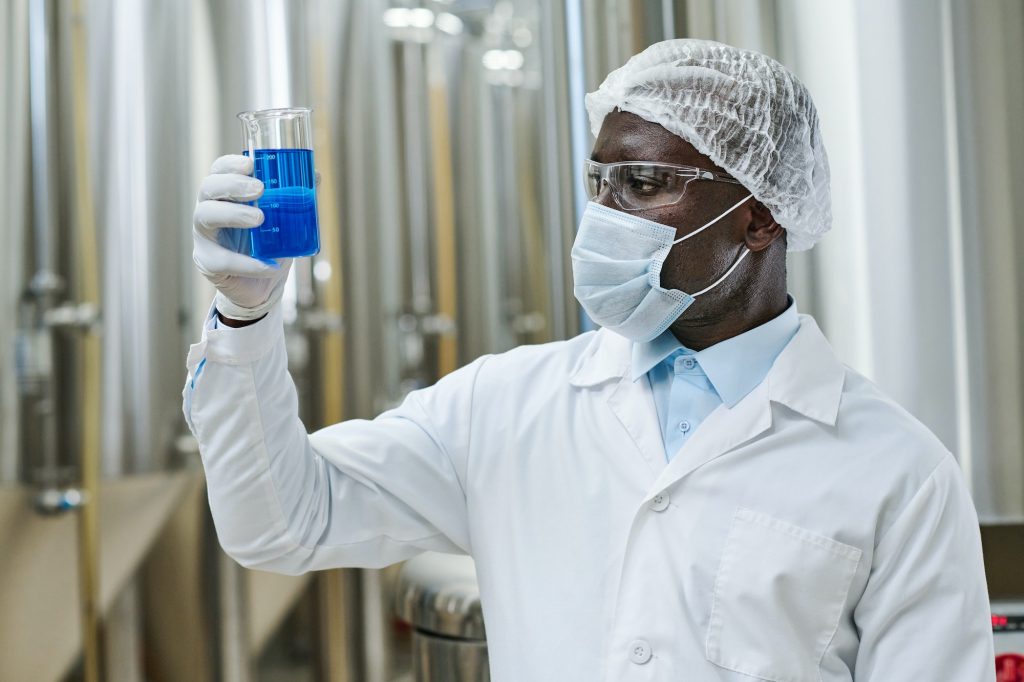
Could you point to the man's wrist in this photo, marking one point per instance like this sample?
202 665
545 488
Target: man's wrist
230 322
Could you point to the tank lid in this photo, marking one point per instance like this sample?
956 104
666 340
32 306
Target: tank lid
438 594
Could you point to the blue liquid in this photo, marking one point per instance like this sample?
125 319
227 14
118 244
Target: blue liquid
290 228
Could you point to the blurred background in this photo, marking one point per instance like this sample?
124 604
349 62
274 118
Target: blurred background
449 137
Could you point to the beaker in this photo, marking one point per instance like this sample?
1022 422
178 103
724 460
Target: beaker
280 141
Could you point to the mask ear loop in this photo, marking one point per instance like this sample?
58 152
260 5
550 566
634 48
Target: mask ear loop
706 226
727 273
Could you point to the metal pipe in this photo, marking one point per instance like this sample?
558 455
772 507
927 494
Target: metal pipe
417 302
445 256
236 662
42 67
14 123
578 119
226 610
510 225
340 657
338 641
375 624
668 19
494 330
91 353
358 207
328 271
414 134
385 218
958 277
557 211
45 284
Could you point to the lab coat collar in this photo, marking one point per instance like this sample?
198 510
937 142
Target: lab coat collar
606 357
806 376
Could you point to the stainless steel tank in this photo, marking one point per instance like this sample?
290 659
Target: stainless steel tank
438 596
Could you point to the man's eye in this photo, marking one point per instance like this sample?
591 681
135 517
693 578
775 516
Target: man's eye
644 184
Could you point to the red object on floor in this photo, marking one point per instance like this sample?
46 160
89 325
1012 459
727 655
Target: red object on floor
1009 668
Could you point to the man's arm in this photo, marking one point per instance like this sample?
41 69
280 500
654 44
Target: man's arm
360 493
925 614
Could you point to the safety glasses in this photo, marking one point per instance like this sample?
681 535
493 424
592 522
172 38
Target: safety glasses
643 185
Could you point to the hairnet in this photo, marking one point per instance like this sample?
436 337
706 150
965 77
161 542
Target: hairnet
742 109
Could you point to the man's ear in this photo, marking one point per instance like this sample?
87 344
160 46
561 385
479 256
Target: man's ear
762 229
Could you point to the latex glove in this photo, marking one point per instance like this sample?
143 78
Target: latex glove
246 287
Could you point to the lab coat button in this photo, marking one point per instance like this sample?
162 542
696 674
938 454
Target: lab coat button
660 502
639 652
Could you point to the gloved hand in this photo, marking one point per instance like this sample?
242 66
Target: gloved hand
246 288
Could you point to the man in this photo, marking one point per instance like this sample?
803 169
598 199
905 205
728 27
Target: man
698 491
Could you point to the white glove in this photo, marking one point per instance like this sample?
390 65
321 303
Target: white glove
246 288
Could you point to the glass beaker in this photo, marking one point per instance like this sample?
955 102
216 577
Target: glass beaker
280 141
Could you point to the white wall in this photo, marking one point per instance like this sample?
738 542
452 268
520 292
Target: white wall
916 98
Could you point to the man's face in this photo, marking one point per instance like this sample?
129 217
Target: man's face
695 263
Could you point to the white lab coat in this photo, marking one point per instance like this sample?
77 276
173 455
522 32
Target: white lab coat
813 532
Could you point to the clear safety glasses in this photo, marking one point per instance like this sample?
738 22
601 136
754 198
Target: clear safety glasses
643 185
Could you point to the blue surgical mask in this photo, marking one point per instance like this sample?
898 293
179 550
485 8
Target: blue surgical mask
616 268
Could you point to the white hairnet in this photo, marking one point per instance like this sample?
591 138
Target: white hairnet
742 109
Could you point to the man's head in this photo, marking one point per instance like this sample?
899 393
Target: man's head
744 111
705 104
627 137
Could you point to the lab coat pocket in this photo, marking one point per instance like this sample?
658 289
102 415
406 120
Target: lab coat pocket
779 594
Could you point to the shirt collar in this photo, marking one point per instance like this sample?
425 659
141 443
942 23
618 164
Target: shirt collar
734 366
646 356
806 377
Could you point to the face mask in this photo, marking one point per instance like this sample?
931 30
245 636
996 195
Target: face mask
616 268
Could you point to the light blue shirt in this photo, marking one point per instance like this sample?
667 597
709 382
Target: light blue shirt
688 385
